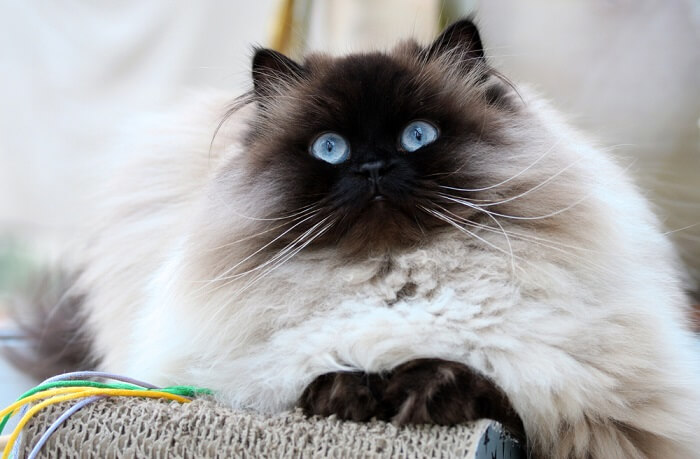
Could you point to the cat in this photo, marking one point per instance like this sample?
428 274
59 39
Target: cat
398 235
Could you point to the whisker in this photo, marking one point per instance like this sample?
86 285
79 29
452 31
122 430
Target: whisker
505 234
534 240
252 236
531 237
286 258
681 229
592 266
269 219
448 220
266 273
279 254
223 276
508 179
510 246
517 217
535 188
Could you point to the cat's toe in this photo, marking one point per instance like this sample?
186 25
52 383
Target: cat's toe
434 391
351 396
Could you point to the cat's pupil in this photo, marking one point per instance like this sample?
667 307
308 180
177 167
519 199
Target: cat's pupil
329 145
418 133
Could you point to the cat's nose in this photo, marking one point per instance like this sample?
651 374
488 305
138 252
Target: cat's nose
373 170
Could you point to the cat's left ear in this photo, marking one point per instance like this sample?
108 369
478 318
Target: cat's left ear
461 42
272 69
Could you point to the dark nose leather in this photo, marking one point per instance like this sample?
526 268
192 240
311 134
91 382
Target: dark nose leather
373 170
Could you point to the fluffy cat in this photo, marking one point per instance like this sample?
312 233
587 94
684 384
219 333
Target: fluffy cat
399 235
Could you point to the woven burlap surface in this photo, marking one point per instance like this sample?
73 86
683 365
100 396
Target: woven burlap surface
131 427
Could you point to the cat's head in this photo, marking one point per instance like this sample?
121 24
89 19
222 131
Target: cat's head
373 151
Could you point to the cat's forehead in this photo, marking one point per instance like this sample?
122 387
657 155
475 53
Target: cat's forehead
375 76
371 91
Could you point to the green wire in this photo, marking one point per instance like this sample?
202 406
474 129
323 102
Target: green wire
184 391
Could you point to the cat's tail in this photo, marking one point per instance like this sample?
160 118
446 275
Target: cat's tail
52 338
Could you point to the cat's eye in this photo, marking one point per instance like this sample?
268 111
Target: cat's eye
417 135
331 148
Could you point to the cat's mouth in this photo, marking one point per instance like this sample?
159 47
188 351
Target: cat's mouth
375 191
375 194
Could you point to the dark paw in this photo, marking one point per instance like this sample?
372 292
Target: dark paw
437 391
352 396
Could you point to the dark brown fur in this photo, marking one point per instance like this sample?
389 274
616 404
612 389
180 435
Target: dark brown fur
50 319
354 396
422 391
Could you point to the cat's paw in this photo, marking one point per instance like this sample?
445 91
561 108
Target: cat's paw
434 391
353 396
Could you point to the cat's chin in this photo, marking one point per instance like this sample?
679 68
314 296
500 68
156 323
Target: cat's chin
381 227
378 203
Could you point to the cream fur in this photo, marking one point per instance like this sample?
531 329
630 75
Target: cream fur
586 335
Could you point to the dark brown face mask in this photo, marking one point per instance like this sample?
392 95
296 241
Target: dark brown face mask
370 139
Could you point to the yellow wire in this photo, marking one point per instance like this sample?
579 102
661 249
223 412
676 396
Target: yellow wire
89 391
39 395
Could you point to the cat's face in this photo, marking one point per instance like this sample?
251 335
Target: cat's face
357 150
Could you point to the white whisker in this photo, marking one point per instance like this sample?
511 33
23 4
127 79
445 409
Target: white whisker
271 260
505 234
223 276
515 217
286 258
508 179
535 240
269 219
518 217
524 193
681 229
279 256
252 236
448 220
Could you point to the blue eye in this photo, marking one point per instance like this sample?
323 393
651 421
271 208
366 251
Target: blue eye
331 148
417 135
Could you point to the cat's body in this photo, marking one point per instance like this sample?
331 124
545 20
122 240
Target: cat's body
578 316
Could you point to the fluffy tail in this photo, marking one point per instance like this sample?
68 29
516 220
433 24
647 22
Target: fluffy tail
52 324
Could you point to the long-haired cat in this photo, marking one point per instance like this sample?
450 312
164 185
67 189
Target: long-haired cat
398 235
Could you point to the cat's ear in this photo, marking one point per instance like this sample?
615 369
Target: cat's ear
272 69
460 42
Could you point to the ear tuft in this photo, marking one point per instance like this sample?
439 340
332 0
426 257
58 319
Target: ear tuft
270 68
462 40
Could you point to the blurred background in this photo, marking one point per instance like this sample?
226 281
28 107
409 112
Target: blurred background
74 73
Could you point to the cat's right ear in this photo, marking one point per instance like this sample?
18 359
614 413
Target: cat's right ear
460 42
272 70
